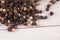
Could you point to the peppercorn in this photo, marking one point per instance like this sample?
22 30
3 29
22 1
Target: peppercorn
47 9
40 11
57 0
51 13
48 6
25 23
11 29
52 1
34 23
45 17
41 17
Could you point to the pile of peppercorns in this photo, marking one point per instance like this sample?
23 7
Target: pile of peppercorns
20 12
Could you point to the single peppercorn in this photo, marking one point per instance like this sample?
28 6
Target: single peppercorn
11 29
52 1
47 9
40 11
45 17
41 17
51 13
34 23
57 0
48 6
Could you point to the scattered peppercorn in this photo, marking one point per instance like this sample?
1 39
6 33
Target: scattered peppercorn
57 0
40 11
47 9
45 17
52 1
41 17
51 13
34 23
48 6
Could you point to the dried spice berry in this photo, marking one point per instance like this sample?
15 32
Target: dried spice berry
51 13
45 17
41 17
11 29
52 1
34 23
48 6
57 0
40 11
47 9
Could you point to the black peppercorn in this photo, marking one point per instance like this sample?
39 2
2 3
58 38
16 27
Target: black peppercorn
25 23
34 23
47 9
48 6
52 1
45 17
57 0
11 29
41 17
51 13
40 11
